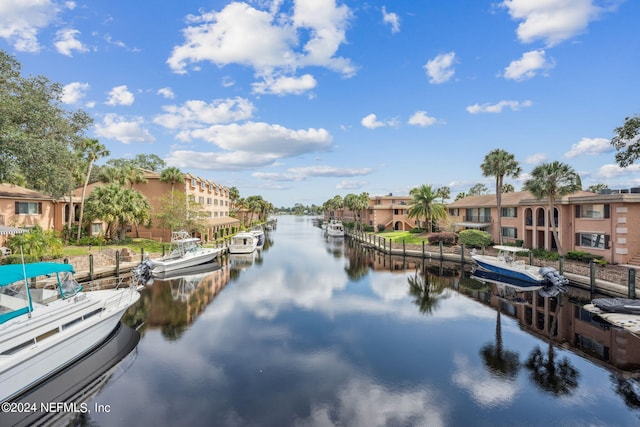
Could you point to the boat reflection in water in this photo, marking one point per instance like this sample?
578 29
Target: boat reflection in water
174 301
76 385
511 286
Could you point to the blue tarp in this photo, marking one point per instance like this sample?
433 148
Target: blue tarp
14 272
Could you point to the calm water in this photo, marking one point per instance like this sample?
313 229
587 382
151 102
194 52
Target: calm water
313 332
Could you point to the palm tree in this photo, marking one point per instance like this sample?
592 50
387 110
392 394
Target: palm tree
444 192
500 163
92 150
553 181
172 175
423 205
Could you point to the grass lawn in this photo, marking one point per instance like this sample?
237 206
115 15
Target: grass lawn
399 236
135 245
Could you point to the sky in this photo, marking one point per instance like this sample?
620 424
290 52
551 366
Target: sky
299 101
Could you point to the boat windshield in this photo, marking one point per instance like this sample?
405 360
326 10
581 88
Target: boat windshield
68 285
14 301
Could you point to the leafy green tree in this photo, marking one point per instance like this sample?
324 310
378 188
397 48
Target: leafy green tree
90 150
177 212
478 190
423 205
151 162
552 181
500 163
474 238
597 188
36 132
626 141
444 193
37 243
461 195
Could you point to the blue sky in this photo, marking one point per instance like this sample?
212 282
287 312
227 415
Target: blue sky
301 100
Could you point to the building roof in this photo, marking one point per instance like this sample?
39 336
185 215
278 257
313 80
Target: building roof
11 191
512 199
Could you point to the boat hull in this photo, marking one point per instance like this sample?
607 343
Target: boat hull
165 266
523 275
26 367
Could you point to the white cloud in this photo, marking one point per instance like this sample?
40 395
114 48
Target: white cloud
485 389
351 185
120 95
285 85
20 22
70 5
166 92
74 92
371 122
236 160
551 21
302 173
123 130
590 146
497 108
440 69
527 66
66 42
267 40
392 19
421 118
536 158
611 171
199 114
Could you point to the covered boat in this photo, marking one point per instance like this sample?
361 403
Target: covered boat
48 321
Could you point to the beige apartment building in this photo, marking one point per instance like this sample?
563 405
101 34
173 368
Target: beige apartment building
389 211
600 224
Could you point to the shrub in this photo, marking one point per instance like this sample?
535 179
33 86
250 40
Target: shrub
474 238
584 256
17 259
446 237
417 230
367 228
380 228
544 254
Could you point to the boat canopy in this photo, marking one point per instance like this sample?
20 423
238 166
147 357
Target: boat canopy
12 273
513 249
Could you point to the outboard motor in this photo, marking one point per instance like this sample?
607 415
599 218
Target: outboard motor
141 273
552 276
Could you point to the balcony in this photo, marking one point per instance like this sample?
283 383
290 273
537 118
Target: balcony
477 218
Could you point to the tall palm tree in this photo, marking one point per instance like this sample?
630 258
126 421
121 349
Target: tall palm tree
423 205
172 175
552 181
91 150
500 163
444 192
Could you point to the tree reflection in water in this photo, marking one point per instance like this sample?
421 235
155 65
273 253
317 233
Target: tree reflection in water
556 377
427 290
628 389
359 263
502 363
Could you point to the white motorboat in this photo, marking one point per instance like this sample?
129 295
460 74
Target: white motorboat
244 242
335 229
48 321
506 264
258 232
185 251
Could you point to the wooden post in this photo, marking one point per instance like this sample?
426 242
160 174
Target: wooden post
404 248
141 254
441 254
592 275
530 258
423 249
632 283
561 265
117 263
462 254
91 266
163 250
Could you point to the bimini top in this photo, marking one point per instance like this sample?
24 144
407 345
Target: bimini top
510 248
11 273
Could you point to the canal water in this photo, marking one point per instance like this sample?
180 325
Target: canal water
318 331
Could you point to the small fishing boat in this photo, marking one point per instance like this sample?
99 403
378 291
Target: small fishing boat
244 242
621 312
258 232
185 251
48 321
506 264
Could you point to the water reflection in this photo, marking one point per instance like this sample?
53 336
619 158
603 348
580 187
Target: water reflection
330 333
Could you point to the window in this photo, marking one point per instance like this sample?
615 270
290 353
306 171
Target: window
454 212
203 185
194 182
509 212
96 228
28 208
208 200
201 200
592 211
215 202
210 187
511 232
192 198
593 240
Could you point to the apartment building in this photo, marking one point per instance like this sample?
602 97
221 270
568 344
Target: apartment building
25 208
389 211
600 224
